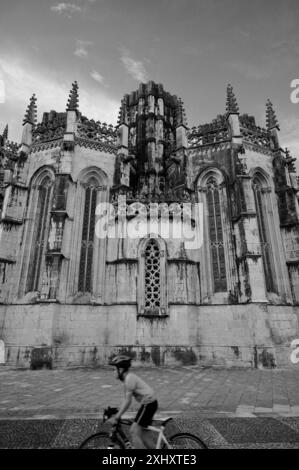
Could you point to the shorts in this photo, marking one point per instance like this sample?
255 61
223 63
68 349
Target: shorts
145 414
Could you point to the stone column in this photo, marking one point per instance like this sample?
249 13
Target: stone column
123 153
26 140
99 257
234 125
248 244
181 137
54 256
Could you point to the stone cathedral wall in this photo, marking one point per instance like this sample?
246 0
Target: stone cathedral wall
54 335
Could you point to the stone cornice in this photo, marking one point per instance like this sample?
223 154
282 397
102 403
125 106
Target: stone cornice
257 148
95 145
87 143
204 149
38 147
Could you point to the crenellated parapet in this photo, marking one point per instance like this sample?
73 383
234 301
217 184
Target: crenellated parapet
255 136
210 133
97 131
52 127
9 157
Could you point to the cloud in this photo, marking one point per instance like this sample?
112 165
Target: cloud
2 91
134 67
66 8
97 76
191 50
81 48
22 79
240 32
250 70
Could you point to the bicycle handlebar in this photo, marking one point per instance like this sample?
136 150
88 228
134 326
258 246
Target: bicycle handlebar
110 411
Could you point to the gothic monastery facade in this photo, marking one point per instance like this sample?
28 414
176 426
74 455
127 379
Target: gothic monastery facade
70 297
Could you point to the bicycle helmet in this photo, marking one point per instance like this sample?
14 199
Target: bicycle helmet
121 361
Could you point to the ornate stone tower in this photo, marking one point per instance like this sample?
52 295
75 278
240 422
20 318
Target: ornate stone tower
152 156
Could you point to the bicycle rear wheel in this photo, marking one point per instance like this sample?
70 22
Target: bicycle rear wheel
185 440
100 440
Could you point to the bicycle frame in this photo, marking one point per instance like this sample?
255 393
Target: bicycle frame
119 436
161 437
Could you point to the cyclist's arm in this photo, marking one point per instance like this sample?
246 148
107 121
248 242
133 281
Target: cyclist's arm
125 405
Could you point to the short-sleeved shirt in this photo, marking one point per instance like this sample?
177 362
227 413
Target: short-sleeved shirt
141 391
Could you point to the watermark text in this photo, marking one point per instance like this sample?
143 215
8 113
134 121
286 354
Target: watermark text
295 93
295 353
176 221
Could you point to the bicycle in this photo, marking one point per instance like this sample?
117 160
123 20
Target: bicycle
117 438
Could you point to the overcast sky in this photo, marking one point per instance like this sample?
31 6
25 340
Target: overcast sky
194 47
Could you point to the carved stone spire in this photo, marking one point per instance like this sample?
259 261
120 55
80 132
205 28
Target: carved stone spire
5 132
181 118
31 112
231 101
271 119
122 115
73 101
290 161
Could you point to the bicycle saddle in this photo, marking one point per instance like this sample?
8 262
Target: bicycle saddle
165 421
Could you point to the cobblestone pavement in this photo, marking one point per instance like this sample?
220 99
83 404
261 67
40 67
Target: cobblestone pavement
228 408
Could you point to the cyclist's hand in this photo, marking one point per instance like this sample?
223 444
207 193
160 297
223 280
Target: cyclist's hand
114 420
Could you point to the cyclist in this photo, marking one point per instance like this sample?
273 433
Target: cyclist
136 387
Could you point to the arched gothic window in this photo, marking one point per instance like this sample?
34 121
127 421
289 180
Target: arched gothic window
218 274
216 235
152 279
152 276
40 232
87 242
260 195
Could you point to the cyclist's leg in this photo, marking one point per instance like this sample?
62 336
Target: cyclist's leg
147 438
137 437
143 418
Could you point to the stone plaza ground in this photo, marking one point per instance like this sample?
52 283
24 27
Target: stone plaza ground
227 408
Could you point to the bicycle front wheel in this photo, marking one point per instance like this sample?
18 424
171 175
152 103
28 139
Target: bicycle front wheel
100 440
185 440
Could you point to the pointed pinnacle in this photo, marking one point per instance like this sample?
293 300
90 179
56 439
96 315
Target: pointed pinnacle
31 114
271 119
231 101
122 112
288 155
181 113
5 132
72 104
